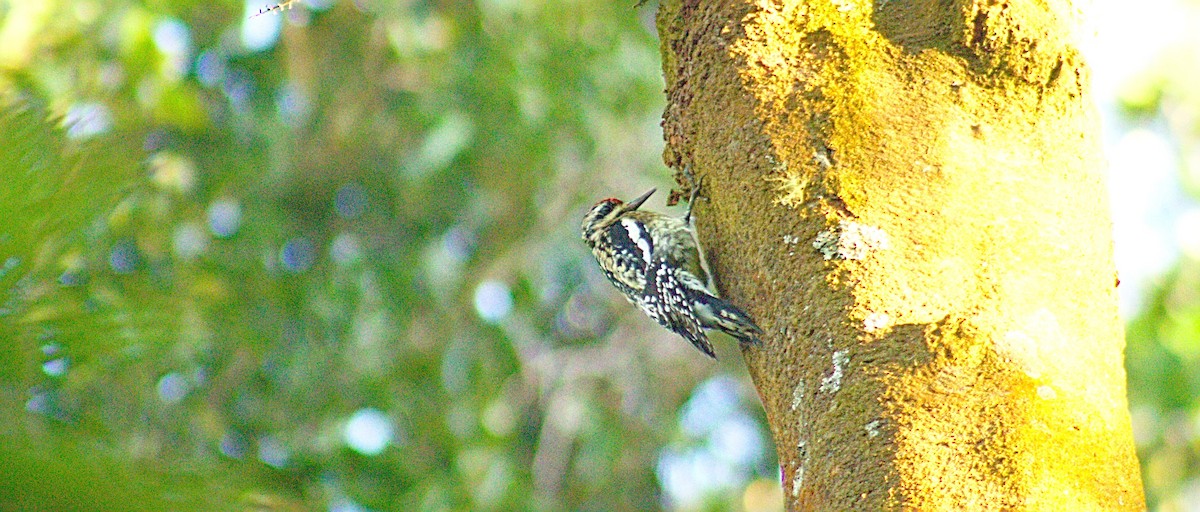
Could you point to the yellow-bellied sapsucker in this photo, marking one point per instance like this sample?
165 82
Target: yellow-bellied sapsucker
655 261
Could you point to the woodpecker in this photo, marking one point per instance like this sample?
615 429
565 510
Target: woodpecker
656 262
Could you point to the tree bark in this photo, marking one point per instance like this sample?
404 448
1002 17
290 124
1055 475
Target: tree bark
909 198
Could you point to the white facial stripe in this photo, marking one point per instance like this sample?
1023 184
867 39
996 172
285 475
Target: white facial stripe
639 238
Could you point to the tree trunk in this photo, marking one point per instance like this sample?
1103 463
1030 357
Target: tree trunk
909 198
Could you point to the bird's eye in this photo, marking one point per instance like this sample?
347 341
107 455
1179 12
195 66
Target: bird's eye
604 208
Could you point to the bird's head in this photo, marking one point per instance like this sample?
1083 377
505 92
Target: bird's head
608 211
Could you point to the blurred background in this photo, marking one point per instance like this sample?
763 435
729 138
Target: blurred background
327 258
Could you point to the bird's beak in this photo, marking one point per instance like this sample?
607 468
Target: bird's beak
633 205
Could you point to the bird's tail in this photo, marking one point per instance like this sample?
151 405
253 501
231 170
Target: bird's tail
717 313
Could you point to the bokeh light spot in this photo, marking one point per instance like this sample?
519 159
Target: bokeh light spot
174 41
224 217
579 318
712 402
493 301
259 32
173 172
70 278
88 119
298 255
723 445
124 257
499 418
272 453
292 104
346 505
111 76
350 201
39 403
345 249
232 445
210 68
238 87
189 241
368 432
737 441
762 495
10 263
172 387
56 367
442 145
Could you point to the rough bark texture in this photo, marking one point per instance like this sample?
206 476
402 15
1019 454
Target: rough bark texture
911 198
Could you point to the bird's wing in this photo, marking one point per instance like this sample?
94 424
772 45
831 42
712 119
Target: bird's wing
629 264
676 307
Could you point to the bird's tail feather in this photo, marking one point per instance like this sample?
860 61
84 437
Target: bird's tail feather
717 313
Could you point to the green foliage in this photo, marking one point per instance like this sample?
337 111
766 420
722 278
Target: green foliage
1163 353
53 193
1162 358
225 256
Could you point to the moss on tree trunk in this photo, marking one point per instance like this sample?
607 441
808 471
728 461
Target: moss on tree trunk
909 198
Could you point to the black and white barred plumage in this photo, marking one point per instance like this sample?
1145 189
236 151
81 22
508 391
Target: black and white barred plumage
655 261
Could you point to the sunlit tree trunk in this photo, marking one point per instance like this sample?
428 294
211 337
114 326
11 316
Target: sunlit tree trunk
908 196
